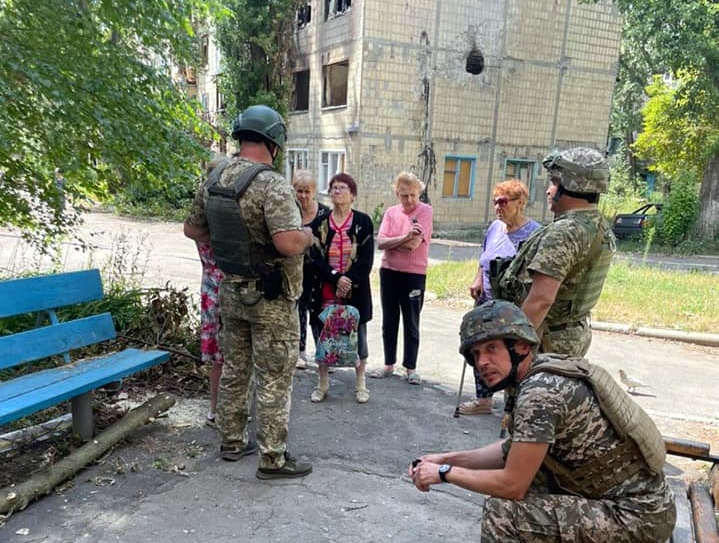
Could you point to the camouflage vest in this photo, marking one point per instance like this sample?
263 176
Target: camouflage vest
579 302
642 446
232 244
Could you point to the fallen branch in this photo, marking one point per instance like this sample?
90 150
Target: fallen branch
17 497
163 347
705 524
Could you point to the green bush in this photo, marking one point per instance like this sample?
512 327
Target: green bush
680 211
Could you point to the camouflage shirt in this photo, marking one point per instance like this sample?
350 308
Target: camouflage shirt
564 413
558 249
267 207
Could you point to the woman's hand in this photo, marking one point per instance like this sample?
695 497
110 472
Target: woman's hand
476 288
344 287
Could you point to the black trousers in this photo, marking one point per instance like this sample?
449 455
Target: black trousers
401 293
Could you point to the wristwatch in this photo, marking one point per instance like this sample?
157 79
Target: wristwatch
444 469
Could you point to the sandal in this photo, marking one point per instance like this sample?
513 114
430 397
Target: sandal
361 395
476 406
380 373
413 378
318 395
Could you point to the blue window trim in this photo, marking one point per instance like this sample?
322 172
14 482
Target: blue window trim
532 184
472 176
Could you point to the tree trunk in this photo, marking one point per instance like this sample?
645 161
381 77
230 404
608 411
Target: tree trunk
17 497
708 223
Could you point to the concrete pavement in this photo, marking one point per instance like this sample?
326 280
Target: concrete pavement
166 482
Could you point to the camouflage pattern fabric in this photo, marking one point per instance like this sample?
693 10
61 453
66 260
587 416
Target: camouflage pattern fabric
259 338
268 208
559 251
564 413
581 169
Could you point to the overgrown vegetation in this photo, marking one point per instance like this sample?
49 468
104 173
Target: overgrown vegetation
633 295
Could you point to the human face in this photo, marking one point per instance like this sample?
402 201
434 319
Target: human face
340 194
408 196
551 193
491 360
506 208
305 194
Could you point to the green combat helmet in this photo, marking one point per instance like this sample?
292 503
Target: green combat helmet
495 319
261 120
581 170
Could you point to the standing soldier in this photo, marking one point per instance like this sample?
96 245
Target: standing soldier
558 273
248 213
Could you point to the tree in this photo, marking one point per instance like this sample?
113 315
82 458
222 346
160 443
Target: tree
85 85
679 39
256 40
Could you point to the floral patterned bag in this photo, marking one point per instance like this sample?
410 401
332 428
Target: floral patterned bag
337 345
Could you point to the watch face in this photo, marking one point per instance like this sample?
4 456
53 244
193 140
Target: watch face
443 471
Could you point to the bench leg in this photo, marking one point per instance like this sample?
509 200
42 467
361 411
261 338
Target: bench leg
83 422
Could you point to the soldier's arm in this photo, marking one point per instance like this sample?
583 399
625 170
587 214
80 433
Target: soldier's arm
292 242
541 296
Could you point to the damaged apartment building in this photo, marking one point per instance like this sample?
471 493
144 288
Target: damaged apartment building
465 93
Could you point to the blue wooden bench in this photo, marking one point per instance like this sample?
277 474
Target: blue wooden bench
73 379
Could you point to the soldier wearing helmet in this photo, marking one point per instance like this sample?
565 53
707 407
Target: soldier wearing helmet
583 462
249 214
558 273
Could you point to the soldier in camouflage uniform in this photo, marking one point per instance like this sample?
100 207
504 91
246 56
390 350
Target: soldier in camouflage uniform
571 470
558 273
258 229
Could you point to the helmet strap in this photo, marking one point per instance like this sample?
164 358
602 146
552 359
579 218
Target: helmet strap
515 359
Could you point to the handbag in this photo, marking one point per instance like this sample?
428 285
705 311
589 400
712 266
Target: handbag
337 345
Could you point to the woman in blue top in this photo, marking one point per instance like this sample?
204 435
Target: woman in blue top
507 231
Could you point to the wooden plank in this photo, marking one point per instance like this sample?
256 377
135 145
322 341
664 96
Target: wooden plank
27 394
705 524
696 450
683 530
54 339
30 294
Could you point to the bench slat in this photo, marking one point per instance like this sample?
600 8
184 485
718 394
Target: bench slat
55 339
30 294
27 394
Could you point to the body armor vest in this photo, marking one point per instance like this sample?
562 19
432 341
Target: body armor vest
235 251
642 444
583 298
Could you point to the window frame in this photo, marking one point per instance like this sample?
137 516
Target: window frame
296 158
326 169
335 8
530 166
457 172
327 76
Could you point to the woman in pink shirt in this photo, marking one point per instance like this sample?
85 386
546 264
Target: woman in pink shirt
404 236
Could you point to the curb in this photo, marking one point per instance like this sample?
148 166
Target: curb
709 340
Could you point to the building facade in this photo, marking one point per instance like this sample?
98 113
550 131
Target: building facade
465 93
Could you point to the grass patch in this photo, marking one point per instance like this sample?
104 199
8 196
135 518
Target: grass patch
633 295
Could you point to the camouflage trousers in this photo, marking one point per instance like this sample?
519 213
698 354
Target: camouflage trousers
557 518
574 340
259 340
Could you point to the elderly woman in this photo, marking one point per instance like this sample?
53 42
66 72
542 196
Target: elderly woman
507 231
306 190
343 261
404 236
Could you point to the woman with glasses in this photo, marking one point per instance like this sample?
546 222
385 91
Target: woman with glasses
505 233
343 262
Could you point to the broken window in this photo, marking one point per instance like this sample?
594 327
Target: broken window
334 84
336 7
458 178
304 15
301 91
296 159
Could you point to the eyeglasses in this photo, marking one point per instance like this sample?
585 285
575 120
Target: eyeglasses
502 201
340 188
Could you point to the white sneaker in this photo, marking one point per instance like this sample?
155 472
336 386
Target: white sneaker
301 361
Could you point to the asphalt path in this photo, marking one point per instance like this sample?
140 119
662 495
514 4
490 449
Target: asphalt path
358 491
